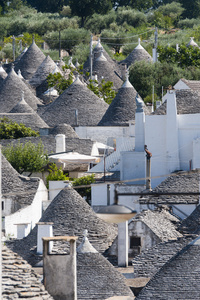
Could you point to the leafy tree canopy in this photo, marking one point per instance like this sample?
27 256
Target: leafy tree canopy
27 157
86 8
185 57
48 5
13 130
144 76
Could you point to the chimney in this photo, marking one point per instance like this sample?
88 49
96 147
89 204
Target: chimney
45 229
123 244
139 125
23 230
59 270
60 143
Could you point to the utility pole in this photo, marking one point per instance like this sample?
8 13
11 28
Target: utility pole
13 45
155 45
59 46
91 39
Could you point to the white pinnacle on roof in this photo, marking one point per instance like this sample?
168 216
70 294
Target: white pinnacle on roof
70 63
192 42
101 57
127 83
2 69
51 92
77 63
85 246
139 46
77 80
98 45
20 74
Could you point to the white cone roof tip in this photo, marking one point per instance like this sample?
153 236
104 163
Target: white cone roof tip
56 70
51 92
101 57
70 63
98 45
77 63
139 46
20 74
77 81
85 246
192 42
2 69
127 83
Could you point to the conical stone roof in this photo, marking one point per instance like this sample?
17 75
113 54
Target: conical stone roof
97 279
10 93
123 107
77 97
138 53
105 70
47 66
30 61
22 107
65 129
20 189
70 214
96 53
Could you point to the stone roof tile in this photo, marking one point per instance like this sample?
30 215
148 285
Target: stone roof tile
76 97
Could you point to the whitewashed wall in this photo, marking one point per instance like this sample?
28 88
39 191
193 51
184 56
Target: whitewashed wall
103 134
189 130
31 214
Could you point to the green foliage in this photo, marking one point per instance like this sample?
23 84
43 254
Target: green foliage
131 17
59 82
55 174
143 75
188 23
48 5
99 22
85 180
185 57
86 8
26 158
192 8
69 38
103 90
13 130
80 52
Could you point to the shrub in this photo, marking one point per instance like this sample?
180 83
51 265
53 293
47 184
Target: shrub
85 180
13 130
55 174
26 158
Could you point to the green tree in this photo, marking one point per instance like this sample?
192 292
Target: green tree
48 5
86 8
84 191
144 76
185 57
13 130
103 89
192 8
59 82
55 174
27 157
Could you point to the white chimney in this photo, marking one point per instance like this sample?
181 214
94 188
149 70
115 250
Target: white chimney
23 230
60 143
123 244
45 229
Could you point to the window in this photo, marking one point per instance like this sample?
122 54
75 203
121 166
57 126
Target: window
135 241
